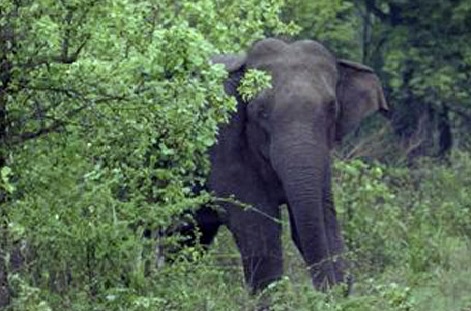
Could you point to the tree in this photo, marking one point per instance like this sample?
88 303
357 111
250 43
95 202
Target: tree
106 111
421 51
334 23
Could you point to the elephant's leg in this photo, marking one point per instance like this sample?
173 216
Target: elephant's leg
208 223
255 223
258 237
201 227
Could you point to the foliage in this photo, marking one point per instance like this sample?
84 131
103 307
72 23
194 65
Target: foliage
254 82
331 22
421 53
407 225
107 109
437 70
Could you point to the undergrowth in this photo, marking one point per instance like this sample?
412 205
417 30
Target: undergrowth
408 240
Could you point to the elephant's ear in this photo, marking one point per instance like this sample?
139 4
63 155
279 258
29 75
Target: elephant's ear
235 65
359 94
231 62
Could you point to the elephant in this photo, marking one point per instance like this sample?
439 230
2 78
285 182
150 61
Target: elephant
275 150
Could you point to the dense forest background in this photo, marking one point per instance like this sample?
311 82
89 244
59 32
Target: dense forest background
108 107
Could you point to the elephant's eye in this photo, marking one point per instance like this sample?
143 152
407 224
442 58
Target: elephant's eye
263 114
261 109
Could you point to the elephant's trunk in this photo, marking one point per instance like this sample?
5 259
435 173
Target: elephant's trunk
302 164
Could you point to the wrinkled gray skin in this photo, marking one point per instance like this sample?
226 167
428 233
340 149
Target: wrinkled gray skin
276 150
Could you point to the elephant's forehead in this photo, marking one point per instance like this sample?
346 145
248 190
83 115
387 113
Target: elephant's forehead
270 47
306 58
294 67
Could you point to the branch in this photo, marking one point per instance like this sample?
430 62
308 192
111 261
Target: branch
65 41
58 59
371 6
31 135
69 59
65 56
68 92
57 124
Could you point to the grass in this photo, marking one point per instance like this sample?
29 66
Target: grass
408 236
446 287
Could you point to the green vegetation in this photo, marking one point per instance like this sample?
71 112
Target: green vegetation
107 109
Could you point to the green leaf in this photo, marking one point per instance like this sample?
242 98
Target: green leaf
253 83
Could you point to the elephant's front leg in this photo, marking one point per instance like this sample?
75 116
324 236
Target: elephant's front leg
257 232
256 229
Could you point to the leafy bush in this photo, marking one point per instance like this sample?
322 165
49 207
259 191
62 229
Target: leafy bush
107 110
111 106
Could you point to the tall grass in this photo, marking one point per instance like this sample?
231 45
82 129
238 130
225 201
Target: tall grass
408 238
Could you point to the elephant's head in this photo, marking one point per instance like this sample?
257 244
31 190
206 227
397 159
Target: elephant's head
314 101
309 85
